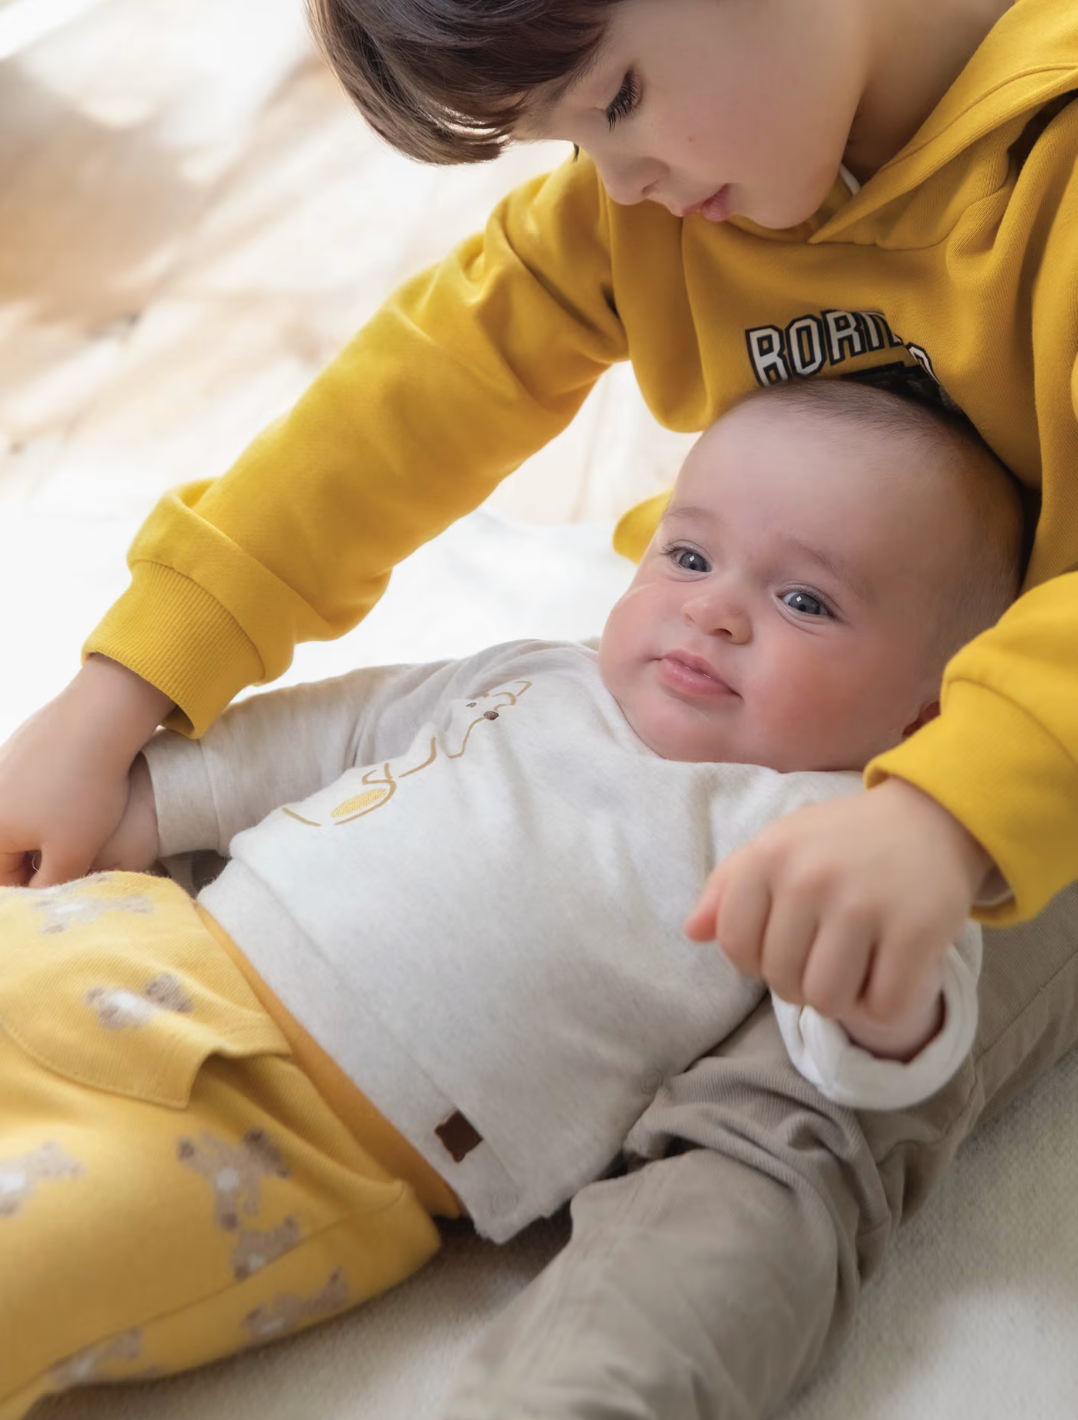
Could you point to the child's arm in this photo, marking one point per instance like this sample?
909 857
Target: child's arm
64 773
465 371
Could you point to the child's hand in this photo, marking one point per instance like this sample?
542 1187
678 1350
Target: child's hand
64 773
135 846
846 906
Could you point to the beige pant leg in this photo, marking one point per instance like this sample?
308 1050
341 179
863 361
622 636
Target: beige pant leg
708 1284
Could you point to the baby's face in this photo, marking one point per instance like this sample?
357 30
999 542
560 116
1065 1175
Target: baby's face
781 614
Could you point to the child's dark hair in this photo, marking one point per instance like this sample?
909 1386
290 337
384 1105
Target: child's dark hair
445 81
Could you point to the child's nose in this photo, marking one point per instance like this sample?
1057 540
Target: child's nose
628 181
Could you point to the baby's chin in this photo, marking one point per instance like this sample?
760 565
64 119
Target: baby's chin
694 745
671 729
685 744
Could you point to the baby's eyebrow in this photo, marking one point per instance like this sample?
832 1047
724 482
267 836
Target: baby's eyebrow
687 512
837 567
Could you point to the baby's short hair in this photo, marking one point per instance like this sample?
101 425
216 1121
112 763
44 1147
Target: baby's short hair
446 81
988 580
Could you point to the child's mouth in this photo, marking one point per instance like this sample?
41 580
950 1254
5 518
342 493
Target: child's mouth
715 208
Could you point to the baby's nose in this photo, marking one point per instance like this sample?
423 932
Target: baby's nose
719 613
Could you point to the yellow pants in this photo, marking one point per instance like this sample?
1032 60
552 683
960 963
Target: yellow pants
183 1173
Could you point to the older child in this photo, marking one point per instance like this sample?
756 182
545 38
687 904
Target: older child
769 191
469 909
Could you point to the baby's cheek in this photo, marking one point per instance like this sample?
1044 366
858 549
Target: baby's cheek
807 705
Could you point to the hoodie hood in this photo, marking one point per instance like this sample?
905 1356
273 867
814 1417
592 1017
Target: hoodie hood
1028 59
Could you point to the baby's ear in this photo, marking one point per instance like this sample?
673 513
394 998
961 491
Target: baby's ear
927 712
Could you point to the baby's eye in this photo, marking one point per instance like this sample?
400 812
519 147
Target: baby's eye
805 603
688 560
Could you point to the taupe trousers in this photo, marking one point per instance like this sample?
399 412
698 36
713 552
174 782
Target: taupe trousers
708 1283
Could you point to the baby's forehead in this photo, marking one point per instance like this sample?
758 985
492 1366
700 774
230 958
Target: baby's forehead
782 442
871 515
798 416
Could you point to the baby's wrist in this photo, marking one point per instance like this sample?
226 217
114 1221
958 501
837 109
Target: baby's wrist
136 844
145 802
966 852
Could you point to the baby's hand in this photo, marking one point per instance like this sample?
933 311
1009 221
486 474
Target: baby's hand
135 846
846 906
64 773
906 1034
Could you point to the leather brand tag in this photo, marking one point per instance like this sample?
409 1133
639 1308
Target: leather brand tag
459 1135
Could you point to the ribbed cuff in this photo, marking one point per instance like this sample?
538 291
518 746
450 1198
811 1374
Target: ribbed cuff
171 632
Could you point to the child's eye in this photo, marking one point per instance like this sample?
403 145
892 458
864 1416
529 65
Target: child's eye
626 100
805 603
687 559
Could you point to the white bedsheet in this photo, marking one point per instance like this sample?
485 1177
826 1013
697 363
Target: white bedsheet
978 1311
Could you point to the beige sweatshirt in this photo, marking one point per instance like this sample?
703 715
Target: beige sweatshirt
472 899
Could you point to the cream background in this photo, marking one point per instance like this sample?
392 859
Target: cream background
191 223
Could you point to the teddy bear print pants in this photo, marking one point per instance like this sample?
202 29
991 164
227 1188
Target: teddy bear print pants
173 1186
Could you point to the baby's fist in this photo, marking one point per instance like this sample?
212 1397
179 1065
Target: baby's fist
846 904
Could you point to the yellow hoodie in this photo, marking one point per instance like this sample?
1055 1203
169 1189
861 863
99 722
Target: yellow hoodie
958 261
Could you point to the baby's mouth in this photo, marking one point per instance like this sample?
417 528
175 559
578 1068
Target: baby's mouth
691 675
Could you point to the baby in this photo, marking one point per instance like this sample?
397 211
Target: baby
445 969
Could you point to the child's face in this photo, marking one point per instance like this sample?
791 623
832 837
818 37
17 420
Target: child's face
783 612
748 99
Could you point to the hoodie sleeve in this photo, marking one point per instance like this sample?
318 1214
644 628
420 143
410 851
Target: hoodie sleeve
465 371
1002 755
